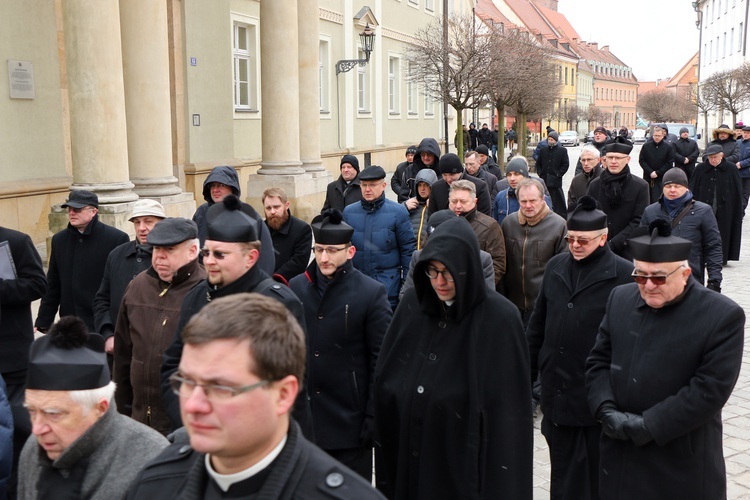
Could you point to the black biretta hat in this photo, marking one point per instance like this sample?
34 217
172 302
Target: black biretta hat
329 228
68 358
228 223
619 145
587 216
659 245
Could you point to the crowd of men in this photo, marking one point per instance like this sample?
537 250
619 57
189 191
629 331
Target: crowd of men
428 329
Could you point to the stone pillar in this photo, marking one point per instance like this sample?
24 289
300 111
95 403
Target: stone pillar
145 63
280 96
308 26
96 95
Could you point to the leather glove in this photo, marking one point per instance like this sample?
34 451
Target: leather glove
635 428
714 285
367 432
612 421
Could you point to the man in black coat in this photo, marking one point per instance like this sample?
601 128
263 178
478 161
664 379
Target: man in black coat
77 261
686 152
484 136
292 238
347 314
17 292
552 164
717 183
451 169
692 220
123 264
561 333
246 352
622 196
657 156
344 190
230 255
665 362
398 179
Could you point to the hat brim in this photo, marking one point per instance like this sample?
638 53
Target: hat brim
74 204
147 213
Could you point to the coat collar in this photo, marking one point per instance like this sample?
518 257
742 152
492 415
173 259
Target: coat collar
607 269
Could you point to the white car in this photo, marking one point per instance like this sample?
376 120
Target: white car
568 138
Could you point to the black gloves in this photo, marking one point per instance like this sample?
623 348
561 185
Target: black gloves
714 285
635 429
612 420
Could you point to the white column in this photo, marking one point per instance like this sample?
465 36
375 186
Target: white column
280 96
308 25
145 58
96 95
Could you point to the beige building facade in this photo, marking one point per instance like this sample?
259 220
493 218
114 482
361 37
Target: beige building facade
142 98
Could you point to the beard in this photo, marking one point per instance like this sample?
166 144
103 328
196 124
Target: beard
275 223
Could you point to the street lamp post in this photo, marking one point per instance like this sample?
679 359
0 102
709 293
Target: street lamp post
367 37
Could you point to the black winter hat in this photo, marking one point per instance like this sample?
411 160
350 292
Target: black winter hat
482 150
553 135
172 231
450 163
228 223
81 198
675 175
517 164
372 173
68 358
351 160
683 130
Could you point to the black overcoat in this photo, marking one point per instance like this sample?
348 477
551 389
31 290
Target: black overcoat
345 328
291 246
720 187
655 157
452 390
563 327
676 366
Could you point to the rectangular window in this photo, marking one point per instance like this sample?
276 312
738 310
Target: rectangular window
363 85
429 107
411 91
724 45
739 39
245 71
393 85
323 76
731 40
429 5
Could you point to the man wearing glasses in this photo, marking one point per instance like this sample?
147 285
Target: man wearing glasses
77 260
665 361
230 256
561 333
621 195
238 379
347 314
592 168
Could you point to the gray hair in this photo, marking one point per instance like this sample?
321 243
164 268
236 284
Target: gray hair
464 185
530 182
588 148
89 398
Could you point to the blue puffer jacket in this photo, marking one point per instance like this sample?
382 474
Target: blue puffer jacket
745 158
506 203
384 239
6 440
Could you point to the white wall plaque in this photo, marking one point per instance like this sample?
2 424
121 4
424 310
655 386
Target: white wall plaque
21 79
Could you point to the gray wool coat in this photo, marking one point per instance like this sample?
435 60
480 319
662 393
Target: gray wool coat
116 447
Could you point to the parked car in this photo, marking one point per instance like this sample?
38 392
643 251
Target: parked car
569 138
639 136
589 138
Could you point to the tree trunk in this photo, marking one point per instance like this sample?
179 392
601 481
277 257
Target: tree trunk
500 135
459 134
521 140
705 129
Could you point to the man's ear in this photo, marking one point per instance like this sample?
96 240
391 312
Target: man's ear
287 389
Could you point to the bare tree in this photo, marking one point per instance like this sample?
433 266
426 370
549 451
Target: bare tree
665 106
705 102
516 62
731 89
595 116
452 71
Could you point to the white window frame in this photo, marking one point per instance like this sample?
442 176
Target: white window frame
394 85
324 70
429 106
429 5
245 101
364 106
412 96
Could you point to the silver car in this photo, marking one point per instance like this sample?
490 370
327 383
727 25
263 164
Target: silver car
568 138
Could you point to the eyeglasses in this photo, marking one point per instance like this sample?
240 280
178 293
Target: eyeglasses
184 387
581 240
205 252
617 158
331 251
433 273
584 160
656 280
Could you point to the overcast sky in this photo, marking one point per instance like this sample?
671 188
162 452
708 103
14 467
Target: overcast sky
654 37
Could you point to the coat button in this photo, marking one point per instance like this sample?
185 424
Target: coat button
432 356
184 449
317 354
320 316
559 392
420 389
415 453
139 259
334 479
317 390
562 350
570 305
441 324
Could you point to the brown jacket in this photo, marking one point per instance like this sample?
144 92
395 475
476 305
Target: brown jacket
145 326
490 238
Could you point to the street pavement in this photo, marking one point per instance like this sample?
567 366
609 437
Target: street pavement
736 414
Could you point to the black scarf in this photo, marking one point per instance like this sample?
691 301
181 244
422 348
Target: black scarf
613 185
